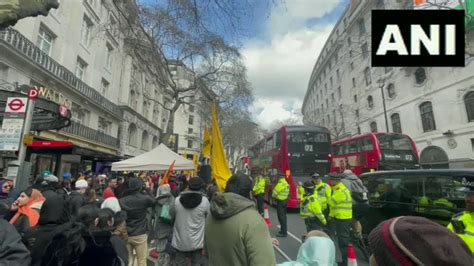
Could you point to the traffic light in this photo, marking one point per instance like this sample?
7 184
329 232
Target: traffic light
13 10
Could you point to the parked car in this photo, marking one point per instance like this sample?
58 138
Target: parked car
436 194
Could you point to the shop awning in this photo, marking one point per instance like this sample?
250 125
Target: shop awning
51 144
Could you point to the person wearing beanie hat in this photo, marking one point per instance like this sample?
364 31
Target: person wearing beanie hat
189 212
246 240
136 204
76 198
410 240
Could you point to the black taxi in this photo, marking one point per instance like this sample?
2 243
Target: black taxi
436 194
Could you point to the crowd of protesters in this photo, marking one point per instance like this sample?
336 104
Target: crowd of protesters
117 220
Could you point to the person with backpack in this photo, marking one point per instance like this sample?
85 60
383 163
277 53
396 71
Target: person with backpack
360 202
163 227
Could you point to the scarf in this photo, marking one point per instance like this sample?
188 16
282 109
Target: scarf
35 202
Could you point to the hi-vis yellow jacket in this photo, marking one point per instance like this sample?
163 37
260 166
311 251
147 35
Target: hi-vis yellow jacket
310 207
340 203
259 185
282 190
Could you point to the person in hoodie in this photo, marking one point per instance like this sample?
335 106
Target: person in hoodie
50 223
163 227
189 212
316 250
76 199
236 234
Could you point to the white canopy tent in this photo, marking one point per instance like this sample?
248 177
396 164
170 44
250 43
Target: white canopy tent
157 159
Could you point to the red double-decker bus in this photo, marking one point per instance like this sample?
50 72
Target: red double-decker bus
374 151
297 151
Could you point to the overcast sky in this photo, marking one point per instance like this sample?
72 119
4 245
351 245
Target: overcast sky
282 53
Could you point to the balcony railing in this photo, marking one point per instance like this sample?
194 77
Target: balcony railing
91 134
30 50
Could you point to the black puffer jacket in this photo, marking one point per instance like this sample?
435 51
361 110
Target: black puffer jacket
74 202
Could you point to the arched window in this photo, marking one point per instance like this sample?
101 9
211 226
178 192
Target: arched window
145 140
420 75
427 117
373 126
391 90
469 102
154 142
132 135
145 108
396 124
370 101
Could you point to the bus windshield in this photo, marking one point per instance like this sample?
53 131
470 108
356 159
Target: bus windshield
307 142
394 142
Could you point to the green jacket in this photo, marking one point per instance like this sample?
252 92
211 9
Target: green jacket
282 190
236 234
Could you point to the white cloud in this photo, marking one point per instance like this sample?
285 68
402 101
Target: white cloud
279 69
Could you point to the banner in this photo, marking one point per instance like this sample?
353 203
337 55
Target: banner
220 169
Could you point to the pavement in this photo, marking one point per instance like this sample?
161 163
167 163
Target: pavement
288 248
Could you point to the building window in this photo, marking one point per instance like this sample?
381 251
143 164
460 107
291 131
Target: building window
361 25
396 124
357 113
45 40
427 117
352 66
132 101
145 108
391 90
327 103
105 87
353 82
154 142
132 135
349 41
420 75
370 101
326 87
373 126
77 114
332 97
108 56
191 120
351 54
190 144
338 75
367 77
339 92
358 130
365 50
145 140
331 81
86 30
469 102
191 108
81 68
190 130
103 125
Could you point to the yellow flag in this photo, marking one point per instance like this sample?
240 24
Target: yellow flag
196 162
220 169
206 149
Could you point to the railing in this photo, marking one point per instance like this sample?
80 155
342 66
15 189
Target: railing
30 50
91 134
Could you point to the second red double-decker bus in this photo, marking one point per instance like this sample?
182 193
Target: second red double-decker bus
374 151
297 151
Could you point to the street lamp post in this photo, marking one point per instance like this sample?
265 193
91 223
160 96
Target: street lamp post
382 84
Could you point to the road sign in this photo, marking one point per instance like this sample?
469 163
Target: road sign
33 93
16 105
